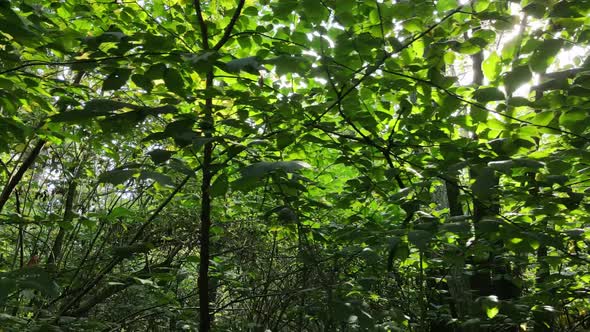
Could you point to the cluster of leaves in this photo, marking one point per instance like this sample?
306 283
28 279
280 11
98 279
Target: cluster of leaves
341 164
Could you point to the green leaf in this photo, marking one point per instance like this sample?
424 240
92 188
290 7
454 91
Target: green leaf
117 176
506 165
203 61
459 227
534 9
6 84
566 9
544 118
35 278
116 79
250 65
444 5
484 183
485 95
181 131
92 109
517 77
483 37
76 116
492 66
480 5
491 312
502 165
545 54
531 164
491 305
220 186
583 79
314 11
120 211
106 105
162 179
290 64
420 238
174 81
284 139
156 71
518 101
127 251
142 81
160 156
575 120
263 168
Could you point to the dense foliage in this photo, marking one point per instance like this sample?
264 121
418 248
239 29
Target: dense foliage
294 165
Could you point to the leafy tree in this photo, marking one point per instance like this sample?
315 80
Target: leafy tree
332 165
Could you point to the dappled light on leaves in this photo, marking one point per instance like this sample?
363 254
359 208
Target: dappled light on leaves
279 165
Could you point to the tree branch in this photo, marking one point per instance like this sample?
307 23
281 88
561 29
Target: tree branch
75 62
370 69
202 24
230 26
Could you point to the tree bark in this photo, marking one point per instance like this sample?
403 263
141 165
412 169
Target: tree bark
55 253
15 179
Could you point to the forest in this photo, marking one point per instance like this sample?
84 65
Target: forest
294 165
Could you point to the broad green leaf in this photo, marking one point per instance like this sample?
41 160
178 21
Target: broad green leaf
180 166
583 79
284 139
160 156
484 184
481 5
142 81
101 105
488 94
492 66
544 118
250 65
263 168
502 165
420 238
460 227
531 164
566 9
506 165
220 186
127 251
116 79
77 116
202 61
120 211
575 120
491 312
518 101
6 84
535 9
117 176
92 109
290 64
578 90
180 130
491 304
162 179
403 193
545 54
174 81
314 11
444 5
155 71
35 278
483 37
517 77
